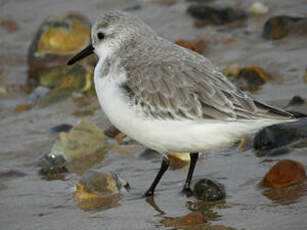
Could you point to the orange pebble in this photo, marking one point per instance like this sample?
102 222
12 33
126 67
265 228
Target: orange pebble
284 173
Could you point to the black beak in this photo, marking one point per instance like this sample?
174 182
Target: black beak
82 54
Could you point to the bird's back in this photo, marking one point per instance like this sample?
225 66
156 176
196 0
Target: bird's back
171 82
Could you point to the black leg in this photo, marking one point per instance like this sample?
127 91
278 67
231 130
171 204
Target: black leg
186 187
164 167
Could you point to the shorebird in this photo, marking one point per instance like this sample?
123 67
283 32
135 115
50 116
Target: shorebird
166 97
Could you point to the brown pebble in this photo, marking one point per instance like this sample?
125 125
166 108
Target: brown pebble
254 70
196 45
283 174
112 131
22 108
193 218
9 25
178 160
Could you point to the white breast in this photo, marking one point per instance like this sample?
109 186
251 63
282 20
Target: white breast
166 135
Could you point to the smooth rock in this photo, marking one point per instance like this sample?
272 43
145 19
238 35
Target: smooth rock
60 128
57 39
251 78
99 190
103 183
216 14
84 138
53 162
284 173
279 135
64 77
278 27
76 151
209 190
178 160
64 82
295 101
88 201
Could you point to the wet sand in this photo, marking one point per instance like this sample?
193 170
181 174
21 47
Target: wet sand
30 202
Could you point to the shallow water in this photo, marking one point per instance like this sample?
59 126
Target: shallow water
30 202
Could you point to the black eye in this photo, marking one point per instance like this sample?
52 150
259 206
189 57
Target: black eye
100 35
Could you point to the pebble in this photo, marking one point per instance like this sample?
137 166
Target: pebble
279 135
251 78
60 128
64 81
216 14
99 190
296 100
278 27
259 8
77 150
283 174
209 190
196 45
56 40
9 25
103 183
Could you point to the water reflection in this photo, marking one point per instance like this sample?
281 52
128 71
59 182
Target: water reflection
198 218
288 195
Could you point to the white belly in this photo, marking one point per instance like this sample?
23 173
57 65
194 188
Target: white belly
169 135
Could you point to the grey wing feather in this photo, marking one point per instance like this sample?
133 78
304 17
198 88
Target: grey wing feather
179 89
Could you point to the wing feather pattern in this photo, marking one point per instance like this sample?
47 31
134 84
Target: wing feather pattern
186 90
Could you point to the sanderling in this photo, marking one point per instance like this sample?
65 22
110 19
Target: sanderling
166 97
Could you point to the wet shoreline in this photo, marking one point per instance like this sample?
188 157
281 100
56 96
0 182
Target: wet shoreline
31 202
